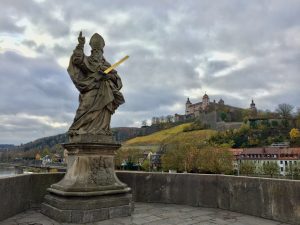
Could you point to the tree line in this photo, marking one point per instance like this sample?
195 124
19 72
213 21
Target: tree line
269 168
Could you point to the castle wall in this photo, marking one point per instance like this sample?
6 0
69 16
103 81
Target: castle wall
222 126
209 118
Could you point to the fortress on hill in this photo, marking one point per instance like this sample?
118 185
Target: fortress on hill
215 114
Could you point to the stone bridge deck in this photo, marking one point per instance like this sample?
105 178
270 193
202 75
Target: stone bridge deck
155 214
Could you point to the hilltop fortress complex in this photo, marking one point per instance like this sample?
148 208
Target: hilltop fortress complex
217 115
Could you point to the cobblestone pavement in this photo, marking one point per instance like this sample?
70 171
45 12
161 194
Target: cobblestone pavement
155 214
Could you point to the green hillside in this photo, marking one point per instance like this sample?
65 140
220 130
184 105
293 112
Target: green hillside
170 135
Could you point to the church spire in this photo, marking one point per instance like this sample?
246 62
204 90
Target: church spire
188 101
253 109
252 105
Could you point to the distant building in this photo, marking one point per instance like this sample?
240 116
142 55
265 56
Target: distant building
280 144
283 156
199 107
214 113
37 156
46 159
253 109
57 158
207 106
236 152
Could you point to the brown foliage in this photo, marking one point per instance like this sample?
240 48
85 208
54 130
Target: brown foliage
190 158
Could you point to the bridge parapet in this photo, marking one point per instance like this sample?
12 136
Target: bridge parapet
268 198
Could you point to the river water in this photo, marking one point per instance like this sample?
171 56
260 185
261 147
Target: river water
7 171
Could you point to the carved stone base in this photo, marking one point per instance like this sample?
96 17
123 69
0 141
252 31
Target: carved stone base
90 190
87 209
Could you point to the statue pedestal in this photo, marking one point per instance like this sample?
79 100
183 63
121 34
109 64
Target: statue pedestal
90 191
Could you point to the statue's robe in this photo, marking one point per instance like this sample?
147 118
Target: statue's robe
99 97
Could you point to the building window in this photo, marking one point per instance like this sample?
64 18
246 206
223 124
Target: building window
285 162
281 169
281 162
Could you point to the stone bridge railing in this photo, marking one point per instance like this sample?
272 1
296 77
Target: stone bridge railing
269 198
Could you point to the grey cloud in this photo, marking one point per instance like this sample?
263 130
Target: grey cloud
217 66
63 50
30 43
9 26
35 86
41 15
21 130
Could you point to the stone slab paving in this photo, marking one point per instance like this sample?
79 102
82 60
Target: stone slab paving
155 214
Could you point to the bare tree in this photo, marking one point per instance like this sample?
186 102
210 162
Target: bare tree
144 123
298 113
153 121
285 110
162 119
169 119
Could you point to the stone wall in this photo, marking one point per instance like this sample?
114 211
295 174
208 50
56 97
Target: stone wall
269 198
222 126
209 118
22 192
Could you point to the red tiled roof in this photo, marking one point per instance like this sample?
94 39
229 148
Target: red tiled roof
266 150
295 150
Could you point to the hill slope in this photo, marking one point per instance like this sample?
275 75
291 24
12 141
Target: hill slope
41 143
157 137
122 133
171 135
195 137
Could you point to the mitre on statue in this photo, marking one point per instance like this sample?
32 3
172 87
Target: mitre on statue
97 42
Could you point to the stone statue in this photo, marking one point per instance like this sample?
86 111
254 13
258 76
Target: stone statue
100 93
90 190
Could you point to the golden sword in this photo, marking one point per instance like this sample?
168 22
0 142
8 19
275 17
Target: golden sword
116 64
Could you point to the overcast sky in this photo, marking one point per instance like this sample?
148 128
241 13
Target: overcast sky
235 50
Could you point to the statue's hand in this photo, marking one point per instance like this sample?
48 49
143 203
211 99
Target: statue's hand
103 75
81 39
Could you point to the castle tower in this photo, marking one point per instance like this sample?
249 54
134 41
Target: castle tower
187 106
205 101
253 108
221 102
214 104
